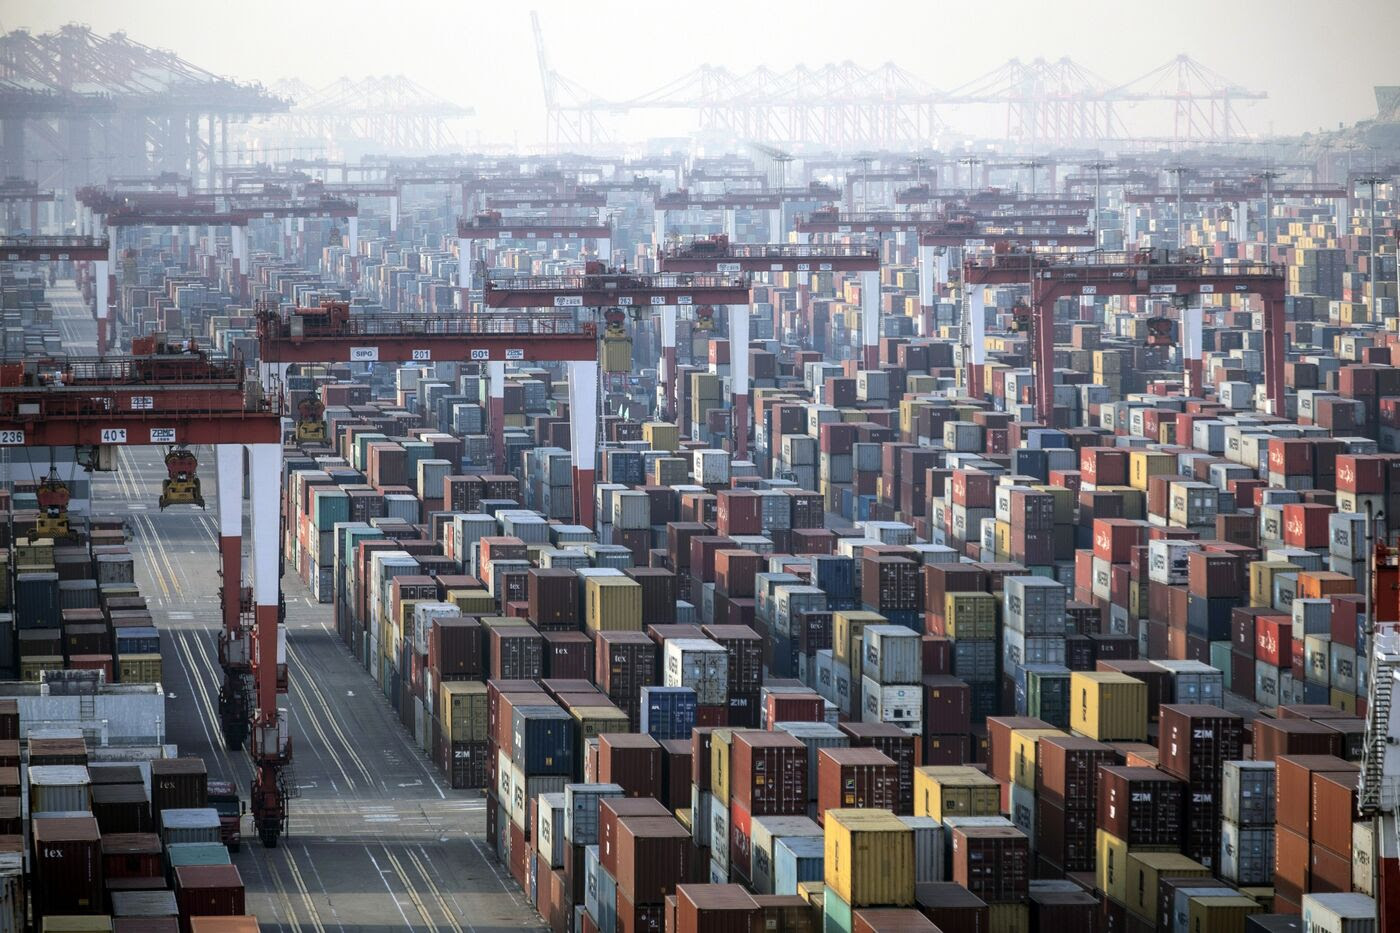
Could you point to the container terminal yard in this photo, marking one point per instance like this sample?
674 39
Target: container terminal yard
820 521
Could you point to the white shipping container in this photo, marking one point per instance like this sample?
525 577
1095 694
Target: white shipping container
1246 854
59 788
711 467
12 913
899 705
1338 913
581 811
893 654
631 510
1023 811
1363 857
1167 560
549 832
1347 535
702 665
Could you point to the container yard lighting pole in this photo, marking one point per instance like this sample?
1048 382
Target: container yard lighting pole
1373 181
1179 171
971 162
1098 167
1268 215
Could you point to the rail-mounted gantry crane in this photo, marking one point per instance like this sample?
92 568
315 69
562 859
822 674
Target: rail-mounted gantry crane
1147 272
175 396
331 333
719 254
601 290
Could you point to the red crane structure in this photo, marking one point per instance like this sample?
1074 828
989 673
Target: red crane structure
1148 272
490 226
331 334
604 290
96 250
173 397
718 254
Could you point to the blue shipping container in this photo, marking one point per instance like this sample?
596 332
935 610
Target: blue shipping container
543 740
797 859
668 712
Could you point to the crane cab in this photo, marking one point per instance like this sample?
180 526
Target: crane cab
1161 332
53 496
182 486
704 317
1020 318
310 428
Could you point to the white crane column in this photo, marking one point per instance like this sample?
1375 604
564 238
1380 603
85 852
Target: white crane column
583 436
1193 317
496 411
739 378
870 319
668 360
976 339
229 461
926 290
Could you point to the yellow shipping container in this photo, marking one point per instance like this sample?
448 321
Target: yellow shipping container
1261 580
1143 871
847 628
1008 918
942 791
719 764
1108 707
661 435
32 667
1219 914
1145 464
472 602
869 857
613 604
462 710
970 615
134 668
1110 865
1023 752
1002 538
593 721
74 923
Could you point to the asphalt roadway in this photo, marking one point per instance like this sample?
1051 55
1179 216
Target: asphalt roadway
376 841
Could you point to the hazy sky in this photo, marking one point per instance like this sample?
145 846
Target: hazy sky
1317 61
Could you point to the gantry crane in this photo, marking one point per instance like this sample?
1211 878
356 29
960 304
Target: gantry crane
95 250
604 290
329 333
718 254
1147 272
176 397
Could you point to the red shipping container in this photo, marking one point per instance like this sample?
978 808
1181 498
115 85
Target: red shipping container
735 569
856 777
653 856
1291 456
1364 474
768 773
1332 795
738 512
208 891
630 760
1305 525
1114 538
974 489
1273 640
715 908
611 810
1103 466
794 707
